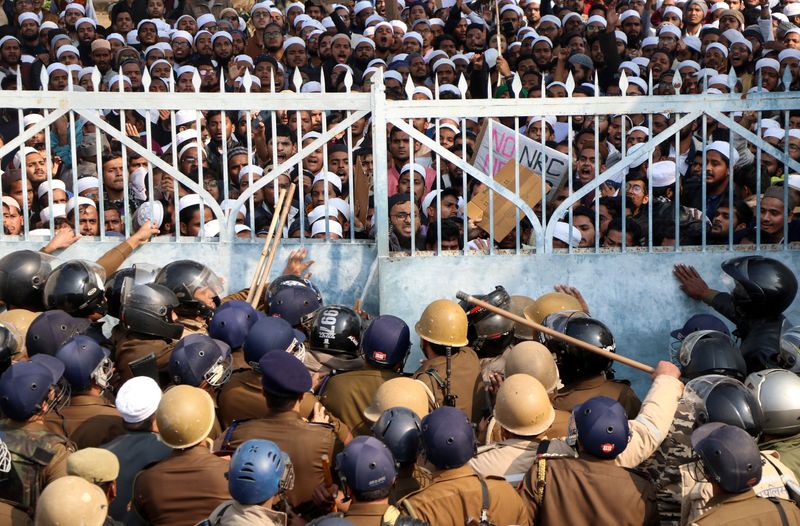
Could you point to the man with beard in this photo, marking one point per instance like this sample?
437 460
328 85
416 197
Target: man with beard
29 34
384 38
101 55
9 54
740 215
401 224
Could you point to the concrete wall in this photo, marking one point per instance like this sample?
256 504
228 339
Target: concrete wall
635 294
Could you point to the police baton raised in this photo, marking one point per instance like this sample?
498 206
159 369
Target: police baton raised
555 334
257 277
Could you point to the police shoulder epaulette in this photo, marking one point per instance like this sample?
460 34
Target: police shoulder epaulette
489 447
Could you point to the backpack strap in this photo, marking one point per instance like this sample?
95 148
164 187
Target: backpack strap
485 502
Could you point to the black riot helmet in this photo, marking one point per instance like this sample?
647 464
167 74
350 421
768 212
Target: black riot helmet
763 286
710 352
575 363
718 398
77 288
290 280
22 277
336 329
188 280
488 333
148 308
140 274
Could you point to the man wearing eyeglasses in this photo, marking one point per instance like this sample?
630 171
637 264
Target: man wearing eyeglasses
401 220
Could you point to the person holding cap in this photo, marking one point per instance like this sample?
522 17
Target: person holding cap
730 460
137 401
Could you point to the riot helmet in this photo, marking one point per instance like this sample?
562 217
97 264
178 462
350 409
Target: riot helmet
447 438
518 306
77 288
728 455
400 429
195 285
71 501
488 333
789 354
198 360
386 342
147 309
85 363
23 275
710 352
523 406
185 416
575 363
762 286
51 329
367 468
288 281
26 386
718 398
602 427
336 330
19 321
550 303
294 303
777 391
258 471
443 322
270 334
536 360
140 274
232 321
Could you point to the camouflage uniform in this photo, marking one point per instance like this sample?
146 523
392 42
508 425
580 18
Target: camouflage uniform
664 466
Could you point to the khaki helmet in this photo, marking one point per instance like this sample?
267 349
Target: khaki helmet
443 322
400 392
185 416
534 359
518 306
71 501
549 303
18 321
523 406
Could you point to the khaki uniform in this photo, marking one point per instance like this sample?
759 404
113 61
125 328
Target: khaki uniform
588 491
305 443
184 488
347 394
455 496
466 384
409 479
697 494
582 390
129 346
88 420
232 513
241 398
368 513
746 509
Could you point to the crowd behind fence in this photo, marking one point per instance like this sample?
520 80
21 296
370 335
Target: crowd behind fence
103 163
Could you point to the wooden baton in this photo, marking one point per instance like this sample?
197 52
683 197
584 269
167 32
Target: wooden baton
630 362
252 299
276 240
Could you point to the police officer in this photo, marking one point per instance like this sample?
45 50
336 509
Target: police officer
18 321
762 288
200 361
231 323
28 391
730 459
701 352
197 288
147 331
293 303
259 475
367 471
457 493
518 305
777 392
586 374
89 419
490 335
137 401
401 392
48 332
524 414
187 486
609 494
241 398
451 370
550 303
71 501
400 429
384 348
77 288
284 380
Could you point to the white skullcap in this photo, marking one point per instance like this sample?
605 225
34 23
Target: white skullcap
550 18
542 39
55 184
789 53
207 18
31 119
688 64
50 212
662 173
144 214
568 234
74 202
774 133
185 69
221 34
671 30
444 62
118 37
330 177
250 169
320 211
724 149
11 202
362 5
23 17
227 205
66 49
641 61
138 399
391 74
17 162
716 45
428 200
423 91
77 7
185 117
184 35
85 183
630 13
418 168
619 35
768 63
399 24
333 227
85 20
413 34
674 10
597 19
449 88
293 41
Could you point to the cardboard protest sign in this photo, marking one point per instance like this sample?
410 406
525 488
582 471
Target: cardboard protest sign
530 190
531 155
363 184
